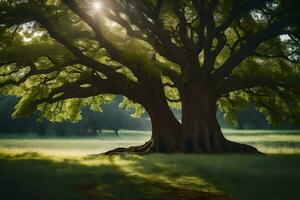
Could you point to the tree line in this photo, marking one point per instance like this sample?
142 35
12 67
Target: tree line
112 118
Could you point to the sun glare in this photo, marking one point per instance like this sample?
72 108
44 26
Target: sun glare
97 6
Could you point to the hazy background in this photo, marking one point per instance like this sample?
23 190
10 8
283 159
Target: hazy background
112 118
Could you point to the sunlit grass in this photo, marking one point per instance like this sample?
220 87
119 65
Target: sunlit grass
62 147
243 177
270 142
71 146
59 168
116 177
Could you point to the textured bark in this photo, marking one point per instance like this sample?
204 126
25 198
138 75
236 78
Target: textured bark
198 133
166 130
166 134
200 127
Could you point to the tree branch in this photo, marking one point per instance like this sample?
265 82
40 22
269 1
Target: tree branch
24 14
237 12
33 71
233 84
251 44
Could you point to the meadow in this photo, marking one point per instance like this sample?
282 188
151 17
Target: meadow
60 168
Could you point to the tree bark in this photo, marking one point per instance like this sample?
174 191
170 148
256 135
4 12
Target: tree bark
199 131
166 130
166 133
200 127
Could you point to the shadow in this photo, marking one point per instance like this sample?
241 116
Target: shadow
27 155
151 177
32 176
244 177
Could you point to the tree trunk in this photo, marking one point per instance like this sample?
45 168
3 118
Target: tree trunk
200 127
166 133
166 130
199 131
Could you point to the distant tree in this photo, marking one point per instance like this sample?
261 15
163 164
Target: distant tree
115 123
8 125
112 118
197 55
249 118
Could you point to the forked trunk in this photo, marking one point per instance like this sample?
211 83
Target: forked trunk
198 133
200 127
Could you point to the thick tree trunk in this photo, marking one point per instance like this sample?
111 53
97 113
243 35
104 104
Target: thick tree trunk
198 133
200 127
166 130
166 133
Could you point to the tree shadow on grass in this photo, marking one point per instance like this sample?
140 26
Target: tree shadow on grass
30 176
244 177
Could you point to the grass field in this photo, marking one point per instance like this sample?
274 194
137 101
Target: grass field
52 168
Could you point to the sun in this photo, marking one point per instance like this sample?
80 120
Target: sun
97 6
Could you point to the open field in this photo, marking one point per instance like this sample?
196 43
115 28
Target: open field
52 168
270 142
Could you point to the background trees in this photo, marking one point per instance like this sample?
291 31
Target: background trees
112 118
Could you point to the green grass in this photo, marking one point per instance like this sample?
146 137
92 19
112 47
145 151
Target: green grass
51 168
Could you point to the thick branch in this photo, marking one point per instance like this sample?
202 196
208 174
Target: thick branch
33 71
183 31
278 56
149 23
28 14
252 43
238 11
234 84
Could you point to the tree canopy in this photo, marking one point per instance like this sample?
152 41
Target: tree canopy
188 54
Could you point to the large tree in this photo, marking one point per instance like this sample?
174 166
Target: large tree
190 54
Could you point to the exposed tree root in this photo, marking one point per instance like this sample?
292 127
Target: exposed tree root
148 147
140 150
